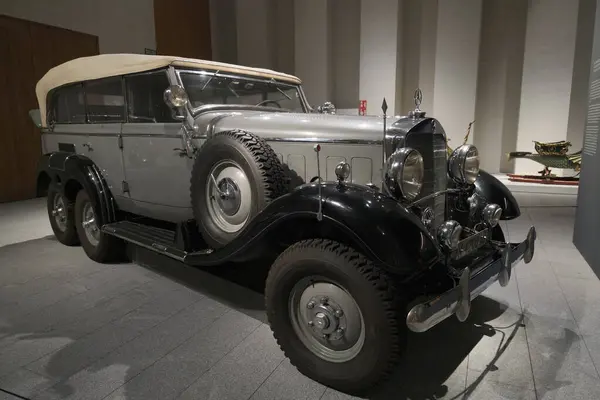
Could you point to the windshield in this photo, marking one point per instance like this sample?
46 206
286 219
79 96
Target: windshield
209 88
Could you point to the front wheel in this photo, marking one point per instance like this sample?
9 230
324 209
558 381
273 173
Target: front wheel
336 316
98 246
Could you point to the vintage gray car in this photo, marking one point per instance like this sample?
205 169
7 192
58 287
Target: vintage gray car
373 227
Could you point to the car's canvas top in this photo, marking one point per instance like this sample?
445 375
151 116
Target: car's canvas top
106 65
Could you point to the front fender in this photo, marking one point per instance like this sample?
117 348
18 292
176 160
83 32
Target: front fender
374 224
389 231
494 191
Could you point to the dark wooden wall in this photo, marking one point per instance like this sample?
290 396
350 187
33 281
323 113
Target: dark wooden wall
183 28
27 51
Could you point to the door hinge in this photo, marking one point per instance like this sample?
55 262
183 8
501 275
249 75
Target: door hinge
125 187
120 142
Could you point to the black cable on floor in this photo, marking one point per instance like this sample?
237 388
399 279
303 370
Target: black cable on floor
14 394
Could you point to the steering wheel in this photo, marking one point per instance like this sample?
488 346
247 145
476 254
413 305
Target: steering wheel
269 101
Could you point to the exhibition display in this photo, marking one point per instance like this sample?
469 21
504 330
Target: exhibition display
374 227
550 155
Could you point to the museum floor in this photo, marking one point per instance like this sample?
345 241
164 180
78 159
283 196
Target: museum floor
74 329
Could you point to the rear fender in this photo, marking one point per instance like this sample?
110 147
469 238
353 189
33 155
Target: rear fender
63 169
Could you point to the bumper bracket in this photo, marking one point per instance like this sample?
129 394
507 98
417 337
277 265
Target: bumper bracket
473 281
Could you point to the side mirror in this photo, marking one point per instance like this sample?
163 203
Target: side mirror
326 108
175 96
36 117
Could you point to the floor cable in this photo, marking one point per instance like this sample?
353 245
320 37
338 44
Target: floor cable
14 394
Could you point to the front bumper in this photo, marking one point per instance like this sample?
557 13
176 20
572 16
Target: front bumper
473 281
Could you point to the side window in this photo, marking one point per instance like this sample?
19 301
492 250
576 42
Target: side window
68 106
145 101
105 100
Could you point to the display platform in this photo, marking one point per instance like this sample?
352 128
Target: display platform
532 194
156 329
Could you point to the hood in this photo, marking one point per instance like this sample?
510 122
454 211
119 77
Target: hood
299 127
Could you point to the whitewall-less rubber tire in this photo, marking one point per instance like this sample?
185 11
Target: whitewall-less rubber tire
335 315
98 246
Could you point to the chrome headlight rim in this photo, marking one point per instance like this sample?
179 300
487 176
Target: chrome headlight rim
458 169
395 170
449 234
491 214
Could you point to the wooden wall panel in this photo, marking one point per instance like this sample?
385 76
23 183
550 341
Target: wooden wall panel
183 28
28 50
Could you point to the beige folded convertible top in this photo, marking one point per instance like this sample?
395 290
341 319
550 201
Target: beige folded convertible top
106 65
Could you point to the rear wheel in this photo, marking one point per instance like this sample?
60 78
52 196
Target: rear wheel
99 246
336 316
62 217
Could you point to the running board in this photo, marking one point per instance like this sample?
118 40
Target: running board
162 241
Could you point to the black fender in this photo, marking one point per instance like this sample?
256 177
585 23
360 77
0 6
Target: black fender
66 171
493 191
375 224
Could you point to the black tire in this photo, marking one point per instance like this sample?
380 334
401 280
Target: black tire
383 312
259 163
108 248
64 233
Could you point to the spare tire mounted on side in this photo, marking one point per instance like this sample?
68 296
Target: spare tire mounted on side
235 175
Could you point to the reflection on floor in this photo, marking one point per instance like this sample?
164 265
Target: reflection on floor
74 329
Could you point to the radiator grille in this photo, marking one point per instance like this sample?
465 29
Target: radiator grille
433 149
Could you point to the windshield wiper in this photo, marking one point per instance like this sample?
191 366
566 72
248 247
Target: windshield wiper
209 80
279 90
232 91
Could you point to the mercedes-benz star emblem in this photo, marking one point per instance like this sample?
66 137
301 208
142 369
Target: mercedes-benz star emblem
418 98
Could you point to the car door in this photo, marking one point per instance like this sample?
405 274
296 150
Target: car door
105 103
158 176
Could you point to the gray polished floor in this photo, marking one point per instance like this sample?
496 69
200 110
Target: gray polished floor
74 329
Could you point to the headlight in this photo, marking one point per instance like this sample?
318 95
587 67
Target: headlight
463 164
449 234
404 173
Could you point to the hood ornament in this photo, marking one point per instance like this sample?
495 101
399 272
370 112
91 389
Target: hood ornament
417 113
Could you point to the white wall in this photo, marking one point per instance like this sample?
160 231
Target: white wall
379 44
547 76
456 64
223 30
283 32
499 81
345 52
121 26
254 40
313 48
418 54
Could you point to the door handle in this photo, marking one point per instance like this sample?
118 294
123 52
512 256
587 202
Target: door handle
88 146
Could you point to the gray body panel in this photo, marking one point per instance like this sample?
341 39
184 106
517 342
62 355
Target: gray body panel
158 177
355 140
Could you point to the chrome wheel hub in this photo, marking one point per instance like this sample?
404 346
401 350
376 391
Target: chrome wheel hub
59 212
90 226
327 320
229 196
